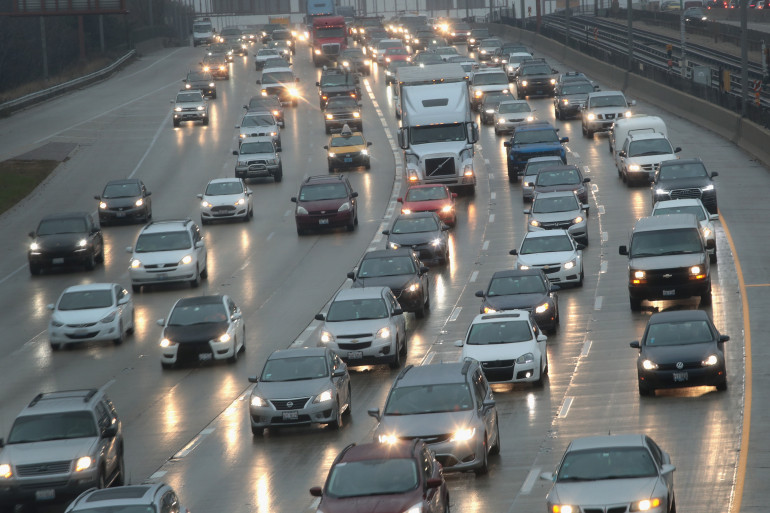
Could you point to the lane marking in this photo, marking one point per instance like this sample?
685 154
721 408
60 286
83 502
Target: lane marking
529 482
428 358
586 348
564 410
152 144
474 275
750 285
598 302
158 474
576 154
603 266
270 236
491 218
586 169
455 313
7 276
486 161
594 187
195 442
600 209
492 195
485 246
605 236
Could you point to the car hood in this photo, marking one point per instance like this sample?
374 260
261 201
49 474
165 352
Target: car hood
356 327
680 353
398 282
555 257
425 425
553 217
82 316
195 333
341 110
373 504
291 389
121 202
54 450
224 199
516 301
490 87
248 157
329 206
608 491
683 183
559 188
410 239
666 261
347 149
259 131
575 97
427 205
494 352
191 105
337 89
60 240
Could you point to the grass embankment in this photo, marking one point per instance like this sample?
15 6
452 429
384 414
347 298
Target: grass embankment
72 73
18 178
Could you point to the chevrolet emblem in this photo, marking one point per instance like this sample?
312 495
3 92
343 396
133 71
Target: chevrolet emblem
668 275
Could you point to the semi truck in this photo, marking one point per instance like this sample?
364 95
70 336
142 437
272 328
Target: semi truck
203 31
329 37
438 134
316 9
433 74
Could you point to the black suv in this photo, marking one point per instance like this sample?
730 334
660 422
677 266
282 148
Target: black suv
535 77
400 270
337 82
570 97
341 111
202 80
475 37
124 200
65 239
685 179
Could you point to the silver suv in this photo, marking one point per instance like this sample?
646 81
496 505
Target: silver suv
258 158
60 445
158 498
190 105
450 406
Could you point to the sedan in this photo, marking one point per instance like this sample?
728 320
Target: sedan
559 210
562 178
93 312
527 289
696 208
529 174
124 200
300 386
226 198
423 232
144 497
490 103
612 473
511 114
553 251
430 198
680 349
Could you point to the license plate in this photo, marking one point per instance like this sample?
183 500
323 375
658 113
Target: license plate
58 260
348 160
45 495
205 356
355 355
290 415
323 221
671 292
680 377
162 276
121 214
81 333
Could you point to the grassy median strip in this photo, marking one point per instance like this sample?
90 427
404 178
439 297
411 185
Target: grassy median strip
18 178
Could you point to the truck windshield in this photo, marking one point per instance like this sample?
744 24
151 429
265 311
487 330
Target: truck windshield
330 32
666 242
437 133
490 79
202 27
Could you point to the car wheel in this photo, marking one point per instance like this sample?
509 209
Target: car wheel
368 164
339 422
197 280
484 468
404 348
352 226
541 379
645 390
234 357
395 363
176 123
120 477
257 431
580 281
328 130
203 221
278 176
713 257
121 337
672 509
100 256
349 409
34 269
300 230
100 482
420 312
132 328
247 216
90 263
251 212
496 448
636 304
136 288
427 300
205 122
331 168
705 299
55 346
214 96
722 385
497 132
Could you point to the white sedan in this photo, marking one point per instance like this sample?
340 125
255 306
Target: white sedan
692 206
226 198
553 251
93 312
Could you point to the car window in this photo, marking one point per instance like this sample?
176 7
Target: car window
677 171
121 190
386 266
85 300
657 453
490 79
68 225
426 193
606 463
551 244
509 285
666 242
357 309
678 333
543 205
649 147
414 225
52 426
297 368
372 477
252 148
535 136
422 399
319 192
103 418
501 332
197 314
258 120
560 177
615 100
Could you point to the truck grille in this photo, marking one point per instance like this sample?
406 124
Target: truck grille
440 166
667 276
685 193
330 49
41 469
556 225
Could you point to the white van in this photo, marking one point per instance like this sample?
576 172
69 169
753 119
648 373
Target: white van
637 124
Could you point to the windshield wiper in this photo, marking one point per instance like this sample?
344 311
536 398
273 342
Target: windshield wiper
575 478
678 252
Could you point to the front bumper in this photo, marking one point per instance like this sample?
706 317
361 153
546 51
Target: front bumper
344 160
509 371
188 352
460 456
356 124
94 332
256 171
108 214
670 291
307 413
52 488
330 220
225 212
599 125
62 259
558 274
190 116
175 274
365 350
687 377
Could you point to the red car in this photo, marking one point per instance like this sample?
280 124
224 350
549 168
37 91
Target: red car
325 202
386 478
430 198
397 54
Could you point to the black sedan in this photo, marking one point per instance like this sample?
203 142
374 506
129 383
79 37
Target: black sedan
423 232
202 80
401 271
124 200
685 178
523 289
65 239
680 349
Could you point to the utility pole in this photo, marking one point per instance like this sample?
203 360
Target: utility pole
682 37
631 34
566 20
744 58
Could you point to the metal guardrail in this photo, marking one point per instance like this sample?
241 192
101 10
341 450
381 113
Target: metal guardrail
38 96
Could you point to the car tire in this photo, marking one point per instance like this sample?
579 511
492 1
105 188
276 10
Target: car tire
328 130
420 312
645 390
496 448
257 431
541 379
100 480
120 475
214 96
278 176
349 409
672 509
234 357
205 122
300 230
368 164
166 365
705 299
484 468
580 281
395 363
176 123
497 132
636 304
339 422
331 168
35 269
55 346
91 262
196 280
131 329
121 335
136 288
713 257
427 301
722 385
100 256
203 221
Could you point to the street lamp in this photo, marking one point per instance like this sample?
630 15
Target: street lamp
683 62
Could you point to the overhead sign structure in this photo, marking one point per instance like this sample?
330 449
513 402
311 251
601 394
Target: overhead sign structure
61 7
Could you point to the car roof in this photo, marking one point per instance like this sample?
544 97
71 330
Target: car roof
508 315
166 226
549 158
598 442
678 315
666 221
512 273
359 293
90 286
294 352
432 374
556 194
61 401
377 451
547 233
117 496
124 181
643 136
261 138
605 93
673 162
386 253
225 180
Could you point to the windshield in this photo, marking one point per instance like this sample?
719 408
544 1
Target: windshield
55 226
280 35
414 225
695 210
421 399
198 77
202 27
447 50
122 508
372 477
85 299
492 99
53 426
295 369
504 332
509 108
384 45
258 120
677 171
666 242
535 69
224 188
606 463
577 89
397 51
357 310
323 192
615 100
265 52
386 266
533 167
342 102
189 98
548 178
490 79
205 313
277 77
353 140
509 285
543 205
550 244
426 193
329 32
251 148
165 241
121 190
649 147
678 333
335 80
428 58
535 136
437 133
267 103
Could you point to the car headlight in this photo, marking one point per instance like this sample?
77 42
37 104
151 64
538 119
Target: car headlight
530 119
501 120
709 187
413 287
639 275
570 264
301 210
332 154
135 263
326 337
447 208
435 242
293 91
211 84
627 114
139 202
317 51
383 333
526 358
224 337
387 439
527 184
534 222
661 192
634 167
706 232
205 204
177 109
649 365
330 116
323 397
186 260
5 470
578 219
542 308
523 267
276 112
364 152
187 86
478 94
258 402
108 318
206 68
82 243
524 83
167 343
394 245
222 68
489 111
468 170
472 40
564 508
240 201
591 117
553 81
695 270
645 505
711 360
565 101
264 92
356 115
83 463
344 207
368 62
463 435
387 59
489 309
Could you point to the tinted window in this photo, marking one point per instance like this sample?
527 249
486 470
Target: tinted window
577 89
54 226
560 177
121 190
508 285
386 266
165 241
295 369
546 244
414 225
504 332
224 188
323 192
677 333
558 204
277 77
426 194
666 242
606 463
85 299
422 399
372 477
190 315
54 426
535 136
249 148
490 79
341 102
676 171
535 69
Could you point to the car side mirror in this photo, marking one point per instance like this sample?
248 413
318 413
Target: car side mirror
386 232
398 311
632 103
354 195
433 482
541 337
487 404
458 343
564 140
161 322
713 217
171 101
320 317
199 196
148 193
199 244
424 269
400 200
340 371
724 338
580 246
326 146
97 197
547 476
235 152
129 249
259 82
454 195
513 252
374 412
677 149
316 491
253 379
623 250
293 199
318 84
246 107
236 316
526 211
110 431
352 275
597 88
635 344
554 288
667 469
586 179
710 244
714 174
622 153
479 293
49 306
444 227
368 143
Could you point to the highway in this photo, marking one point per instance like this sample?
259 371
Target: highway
189 426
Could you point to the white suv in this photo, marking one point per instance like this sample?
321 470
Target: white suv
168 252
641 156
602 109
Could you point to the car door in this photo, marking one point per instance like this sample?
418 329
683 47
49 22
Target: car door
432 496
341 383
236 323
398 320
108 446
483 392
94 235
124 303
541 345
661 458
424 279
146 197
200 251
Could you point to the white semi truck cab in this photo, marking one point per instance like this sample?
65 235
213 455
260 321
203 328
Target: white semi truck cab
203 31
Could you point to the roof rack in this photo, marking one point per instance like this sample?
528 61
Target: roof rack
89 393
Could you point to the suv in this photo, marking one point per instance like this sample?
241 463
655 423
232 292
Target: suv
484 81
342 111
168 252
535 140
201 80
602 109
216 64
570 97
158 497
280 82
337 82
535 77
475 37
65 239
259 124
450 406
667 259
60 445
641 156
680 179
190 105
258 157
325 202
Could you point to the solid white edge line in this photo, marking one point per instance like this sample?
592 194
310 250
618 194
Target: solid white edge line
586 348
529 482
564 410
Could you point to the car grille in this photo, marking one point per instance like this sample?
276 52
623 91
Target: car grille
548 268
82 336
86 325
330 49
41 469
223 210
259 133
667 276
160 267
354 347
515 120
685 193
257 163
440 166
498 370
556 225
605 116
429 439
289 404
188 109
611 509
685 366
189 351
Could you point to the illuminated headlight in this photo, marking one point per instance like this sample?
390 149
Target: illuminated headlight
483 52
83 463
416 41
709 187
330 116
627 113
542 308
565 101
534 222
501 120
661 192
293 91
488 309
387 59
205 204
639 275
344 207
356 115
406 211
368 62
258 402
463 435
301 210
186 260
468 171
241 201
564 508
471 39
530 119
264 92
489 111
345 63
387 439
645 505
222 68
706 232
211 84
413 177
526 358
496 59
323 397
199 107
5 471
135 263
510 68
578 219
524 83
332 154
102 205
383 333
553 81
447 208
695 270
649 365
478 94
711 360
523 267
326 337
206 68
167 343
317 51
225 337
634 167
187 86
177 109
413 287
527 184
275 112
435 242
108 318
82 243
364 152
393 245
570 264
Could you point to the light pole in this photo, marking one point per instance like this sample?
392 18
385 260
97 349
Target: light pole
744 59
683 62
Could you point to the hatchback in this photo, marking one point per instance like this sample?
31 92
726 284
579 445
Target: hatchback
553 251
226 198
523 289
124 200
558 210
423 232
